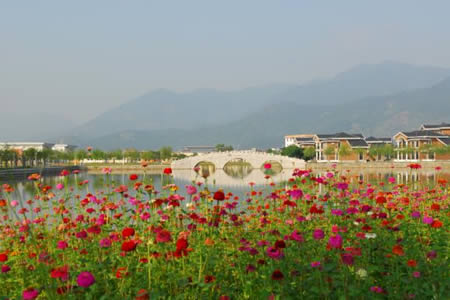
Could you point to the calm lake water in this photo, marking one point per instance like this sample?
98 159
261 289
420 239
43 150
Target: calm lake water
235 180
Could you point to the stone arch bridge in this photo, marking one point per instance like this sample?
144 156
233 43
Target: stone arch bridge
255 158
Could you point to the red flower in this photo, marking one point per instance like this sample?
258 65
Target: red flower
277 275
209 278
167 171
129 246
163 236
142 295
127 232
219 196
280 244
182 244
3 257
133 177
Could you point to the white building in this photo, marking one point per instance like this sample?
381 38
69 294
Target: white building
300 140
22 146
38 146
63 147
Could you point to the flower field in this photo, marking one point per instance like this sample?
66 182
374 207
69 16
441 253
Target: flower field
312 237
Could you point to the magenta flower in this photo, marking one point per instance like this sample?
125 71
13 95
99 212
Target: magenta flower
318 234
267 166
62 245
85 279
342 186
416 274
347 259
30 294
335 241
415 214
295 194
315 264
391 179
337 212
274 253
427 220
5 269
60 186
105 243
296 236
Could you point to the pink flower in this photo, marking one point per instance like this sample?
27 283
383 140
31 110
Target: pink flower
14 203
60 186
416 274
62 245
391 179
267 166
190 189
335 241
30 294
85 279
315 264
106 170
318 234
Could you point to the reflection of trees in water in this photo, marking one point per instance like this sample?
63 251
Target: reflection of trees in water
238 168
205 169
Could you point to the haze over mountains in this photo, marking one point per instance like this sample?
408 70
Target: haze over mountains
376 99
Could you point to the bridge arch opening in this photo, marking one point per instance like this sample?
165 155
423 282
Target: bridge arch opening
205 168
238 168
271 167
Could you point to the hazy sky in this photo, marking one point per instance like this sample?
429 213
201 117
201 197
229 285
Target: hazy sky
78 58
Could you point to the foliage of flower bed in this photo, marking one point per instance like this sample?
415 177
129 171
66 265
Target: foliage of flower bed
309 238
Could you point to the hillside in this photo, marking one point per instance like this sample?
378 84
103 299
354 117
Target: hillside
163 109
380 116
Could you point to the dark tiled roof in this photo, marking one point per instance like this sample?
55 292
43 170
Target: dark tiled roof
308 139
358 143
445 140
422 133
375 139
340 135
436 125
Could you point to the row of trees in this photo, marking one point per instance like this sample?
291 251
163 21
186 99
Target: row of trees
10 158
29 158
296 152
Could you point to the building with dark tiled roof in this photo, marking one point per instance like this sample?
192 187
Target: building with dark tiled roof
443 128
419 144
340 146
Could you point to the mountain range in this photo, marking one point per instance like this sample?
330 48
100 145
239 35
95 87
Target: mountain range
379 99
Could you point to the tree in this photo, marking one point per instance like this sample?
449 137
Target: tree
344 150
329 150
223 148
292 151
309 153
165 152
29 155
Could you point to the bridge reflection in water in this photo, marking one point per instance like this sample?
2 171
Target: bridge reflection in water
242 175
237 177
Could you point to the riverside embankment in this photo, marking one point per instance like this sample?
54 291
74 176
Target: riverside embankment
20 173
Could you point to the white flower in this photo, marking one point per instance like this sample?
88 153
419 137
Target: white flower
371 235
370 213
361 273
